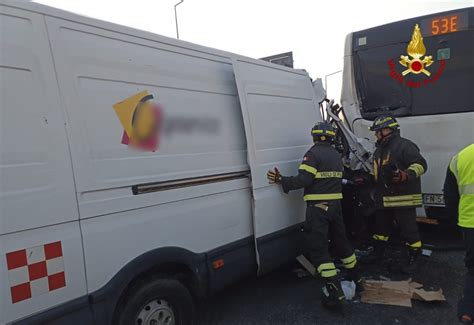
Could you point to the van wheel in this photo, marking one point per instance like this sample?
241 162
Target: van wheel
160 302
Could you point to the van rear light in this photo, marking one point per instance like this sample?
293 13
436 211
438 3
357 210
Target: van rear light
217 264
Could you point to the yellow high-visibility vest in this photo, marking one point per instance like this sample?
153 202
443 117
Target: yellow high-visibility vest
462 166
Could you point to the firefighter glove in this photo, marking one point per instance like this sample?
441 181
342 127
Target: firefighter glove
274 176
400 176
359 180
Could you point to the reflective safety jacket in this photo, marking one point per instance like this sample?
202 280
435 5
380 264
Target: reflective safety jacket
459 186
320 174
398 153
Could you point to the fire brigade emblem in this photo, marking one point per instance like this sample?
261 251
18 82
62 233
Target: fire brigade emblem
414 61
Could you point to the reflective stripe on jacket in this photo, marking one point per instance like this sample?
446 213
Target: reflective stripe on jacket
320 174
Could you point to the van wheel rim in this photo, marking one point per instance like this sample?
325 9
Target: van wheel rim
156 312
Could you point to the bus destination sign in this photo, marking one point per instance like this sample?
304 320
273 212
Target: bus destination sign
445 24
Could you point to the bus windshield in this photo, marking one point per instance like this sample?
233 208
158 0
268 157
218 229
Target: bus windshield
419 66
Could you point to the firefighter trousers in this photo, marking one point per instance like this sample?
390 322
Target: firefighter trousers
406 220
466 304
324 224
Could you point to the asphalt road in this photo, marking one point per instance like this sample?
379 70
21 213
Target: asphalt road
282 298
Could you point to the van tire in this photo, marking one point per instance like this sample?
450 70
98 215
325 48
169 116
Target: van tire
169 292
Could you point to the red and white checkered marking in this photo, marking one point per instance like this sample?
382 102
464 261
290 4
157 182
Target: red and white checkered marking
36 270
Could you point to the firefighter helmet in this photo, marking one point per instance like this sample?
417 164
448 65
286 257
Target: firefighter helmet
323 131
384 121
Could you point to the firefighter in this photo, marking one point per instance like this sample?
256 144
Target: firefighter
459 198
320 174
398 165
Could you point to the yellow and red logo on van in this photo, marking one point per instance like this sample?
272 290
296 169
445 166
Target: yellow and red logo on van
34 271
416 62
141 119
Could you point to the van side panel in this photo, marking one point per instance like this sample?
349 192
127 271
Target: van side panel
197 225
41 256
202 135
202 131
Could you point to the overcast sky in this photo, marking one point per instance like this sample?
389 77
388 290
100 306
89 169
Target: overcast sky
313 30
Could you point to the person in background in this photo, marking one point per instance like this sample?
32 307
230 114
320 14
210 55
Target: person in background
459 198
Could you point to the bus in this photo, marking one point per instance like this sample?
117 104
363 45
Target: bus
420 70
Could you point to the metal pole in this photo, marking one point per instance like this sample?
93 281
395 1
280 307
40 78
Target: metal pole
326 79
176 18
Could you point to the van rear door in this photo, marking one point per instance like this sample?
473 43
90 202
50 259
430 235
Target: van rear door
279 108
41 256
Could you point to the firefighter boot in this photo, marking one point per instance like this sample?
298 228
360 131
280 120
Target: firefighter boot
378 254
333 296
411 261
354 275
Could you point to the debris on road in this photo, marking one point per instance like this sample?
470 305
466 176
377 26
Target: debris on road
421 294
426 252
306 264
395 293
349 289
398 293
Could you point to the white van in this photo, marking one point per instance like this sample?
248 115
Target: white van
97 226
